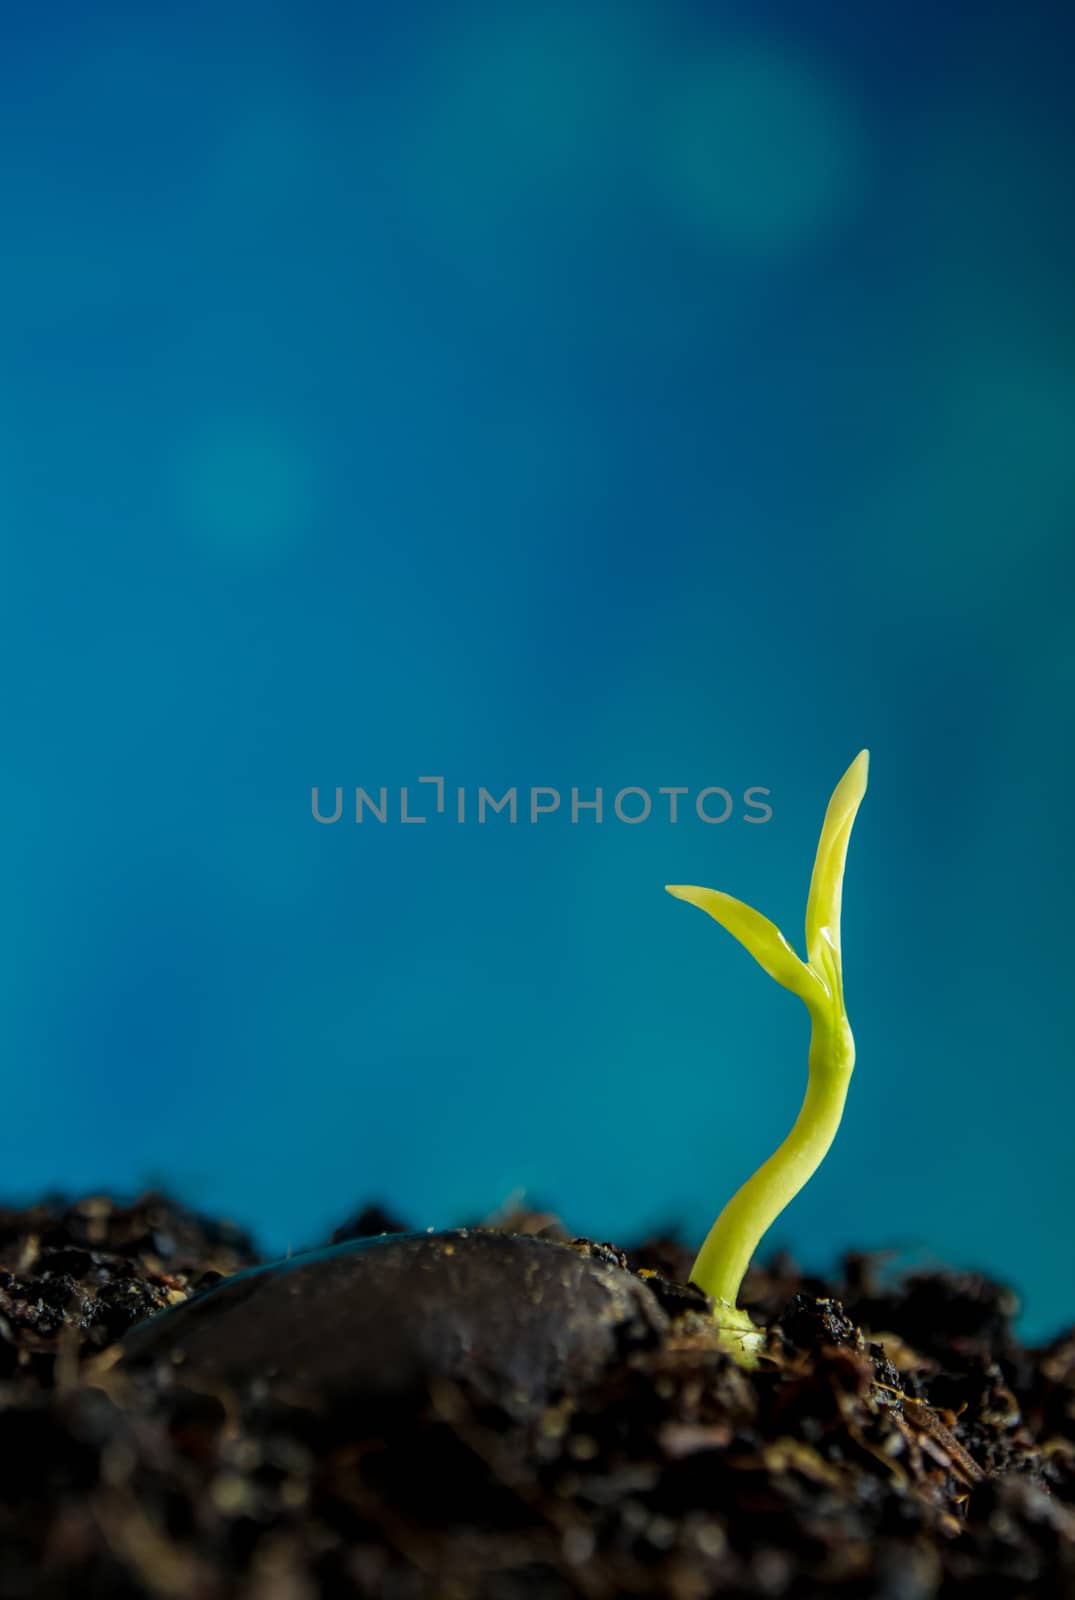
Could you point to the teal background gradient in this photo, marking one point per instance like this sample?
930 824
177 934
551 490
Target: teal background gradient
530 393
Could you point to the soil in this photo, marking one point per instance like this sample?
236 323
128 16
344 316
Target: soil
504 1411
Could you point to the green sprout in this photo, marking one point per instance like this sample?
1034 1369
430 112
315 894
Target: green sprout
731 1242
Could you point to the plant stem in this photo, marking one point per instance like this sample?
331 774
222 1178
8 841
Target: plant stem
724 1257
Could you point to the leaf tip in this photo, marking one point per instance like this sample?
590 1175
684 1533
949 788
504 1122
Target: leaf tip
847 796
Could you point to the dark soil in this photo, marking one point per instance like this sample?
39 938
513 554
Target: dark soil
507 1412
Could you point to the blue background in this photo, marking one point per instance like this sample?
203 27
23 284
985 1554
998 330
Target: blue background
591 394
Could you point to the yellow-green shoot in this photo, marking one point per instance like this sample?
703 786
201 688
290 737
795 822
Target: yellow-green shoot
818 981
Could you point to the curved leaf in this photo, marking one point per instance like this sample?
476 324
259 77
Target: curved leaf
826 881
757 934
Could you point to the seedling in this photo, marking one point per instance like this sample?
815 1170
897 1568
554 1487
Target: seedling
818 981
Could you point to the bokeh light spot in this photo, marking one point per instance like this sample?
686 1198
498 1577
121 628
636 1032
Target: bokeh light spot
509 130
760 150
244 490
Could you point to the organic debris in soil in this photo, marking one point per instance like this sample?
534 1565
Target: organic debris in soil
895 1441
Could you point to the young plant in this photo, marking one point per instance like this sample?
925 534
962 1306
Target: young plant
818 981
